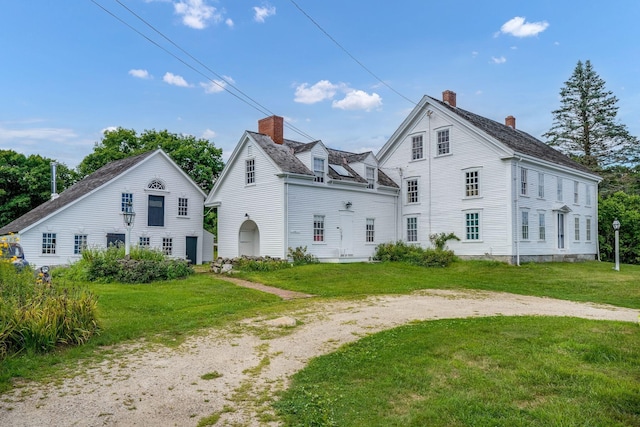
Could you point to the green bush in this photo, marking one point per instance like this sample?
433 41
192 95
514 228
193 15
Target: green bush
37 317
414 254
144 265
261 264
300 256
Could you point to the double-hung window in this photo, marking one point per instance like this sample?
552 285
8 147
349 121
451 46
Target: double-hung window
417 149
144 242
472 225
79 243
443 144
587 228
183 205
318 228
167 245
525 225
576 227
524 181
371 177
541 185
576 192
412 229
560 196
542 229
412 191
49 243
588 196
318 169
126 202
370 230
250 171
472 183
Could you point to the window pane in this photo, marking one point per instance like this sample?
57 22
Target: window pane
251 171
370 230
472 226
412 191
182 206
416 148
412 229
48 243
318 169
318 228
443 142
472 180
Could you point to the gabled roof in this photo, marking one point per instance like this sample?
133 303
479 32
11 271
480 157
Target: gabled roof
517 140
78 190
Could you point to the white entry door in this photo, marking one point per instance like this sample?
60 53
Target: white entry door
346 233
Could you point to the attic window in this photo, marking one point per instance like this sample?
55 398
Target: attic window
340 170
156 184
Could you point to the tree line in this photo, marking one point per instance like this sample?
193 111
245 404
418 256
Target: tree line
585 128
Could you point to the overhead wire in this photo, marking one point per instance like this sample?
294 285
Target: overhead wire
248 100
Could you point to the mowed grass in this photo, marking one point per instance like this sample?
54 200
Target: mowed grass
586 281
500 371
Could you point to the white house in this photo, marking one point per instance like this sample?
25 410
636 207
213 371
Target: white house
167 205
504 193
275 194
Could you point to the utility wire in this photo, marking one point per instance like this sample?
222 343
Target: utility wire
349 53
256 105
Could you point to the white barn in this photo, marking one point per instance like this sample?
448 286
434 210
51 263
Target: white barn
504 193
167 203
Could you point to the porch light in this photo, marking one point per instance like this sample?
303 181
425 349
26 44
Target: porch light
128 216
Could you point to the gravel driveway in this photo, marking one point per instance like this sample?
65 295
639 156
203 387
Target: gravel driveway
248 362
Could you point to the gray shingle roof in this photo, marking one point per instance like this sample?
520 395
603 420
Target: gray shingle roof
519 141
75 192
285 158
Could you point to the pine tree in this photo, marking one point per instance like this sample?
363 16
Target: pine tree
585 126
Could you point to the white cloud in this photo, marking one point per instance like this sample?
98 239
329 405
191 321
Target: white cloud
500 60
108 129
196 13
47 134
215 86
209 134
229 22
141 74
517 27
262 13
320 91
358 100
175 80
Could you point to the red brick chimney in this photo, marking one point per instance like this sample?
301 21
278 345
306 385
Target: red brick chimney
272 126
449 97
510 121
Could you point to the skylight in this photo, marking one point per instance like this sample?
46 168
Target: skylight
340 170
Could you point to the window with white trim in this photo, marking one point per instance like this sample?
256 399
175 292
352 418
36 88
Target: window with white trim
126 202
472 225
542 226
183 206
371 177
576 228
412 191
588 195
156 184
412 229
541 185
167 245
49 243
79 243
318 228
524 181
576 193
472 183
560 196
587 228
417 149
370 230
250 171
525 225
318 169
443 144
144 242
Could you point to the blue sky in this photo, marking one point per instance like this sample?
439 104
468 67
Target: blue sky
70 70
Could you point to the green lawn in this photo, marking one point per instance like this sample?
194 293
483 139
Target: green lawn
580 356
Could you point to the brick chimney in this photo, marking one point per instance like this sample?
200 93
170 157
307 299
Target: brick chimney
272 126
510 121
449 97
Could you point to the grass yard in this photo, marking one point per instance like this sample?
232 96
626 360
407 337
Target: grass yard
586 281
518 371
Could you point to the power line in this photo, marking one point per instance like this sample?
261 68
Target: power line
349 53
253 104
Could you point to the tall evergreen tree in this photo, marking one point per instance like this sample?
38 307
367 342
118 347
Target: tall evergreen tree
585 126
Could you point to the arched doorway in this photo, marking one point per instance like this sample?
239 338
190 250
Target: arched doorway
249 239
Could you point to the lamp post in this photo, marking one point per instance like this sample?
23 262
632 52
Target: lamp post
128 216
616 227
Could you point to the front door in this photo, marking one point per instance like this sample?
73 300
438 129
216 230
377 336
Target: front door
346 233
249 239
192 249
560 230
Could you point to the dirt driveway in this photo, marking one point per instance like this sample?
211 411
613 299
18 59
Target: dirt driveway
249 362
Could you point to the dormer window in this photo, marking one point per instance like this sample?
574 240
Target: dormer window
371 177
318 169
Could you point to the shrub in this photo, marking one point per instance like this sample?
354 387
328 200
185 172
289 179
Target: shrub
300 256
260 264
414 254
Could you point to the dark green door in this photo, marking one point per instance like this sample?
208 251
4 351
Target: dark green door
192 249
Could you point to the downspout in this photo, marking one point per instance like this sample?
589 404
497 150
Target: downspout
399 224
286 219
429 113
597 224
